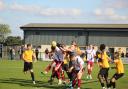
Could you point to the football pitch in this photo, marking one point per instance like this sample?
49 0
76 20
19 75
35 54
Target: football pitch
12 77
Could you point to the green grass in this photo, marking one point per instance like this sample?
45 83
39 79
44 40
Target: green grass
12 77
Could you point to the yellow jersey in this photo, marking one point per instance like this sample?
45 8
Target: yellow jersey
104 62
78 51
66 60
28 55
119 66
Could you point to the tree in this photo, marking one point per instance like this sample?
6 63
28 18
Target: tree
4 31
12 40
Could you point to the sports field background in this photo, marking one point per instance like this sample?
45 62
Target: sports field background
12 77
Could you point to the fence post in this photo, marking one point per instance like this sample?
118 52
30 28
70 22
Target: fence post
1 49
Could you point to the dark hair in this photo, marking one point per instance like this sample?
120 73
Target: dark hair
59 45
53 48
73 42
116 55
72 54
102 47
28 45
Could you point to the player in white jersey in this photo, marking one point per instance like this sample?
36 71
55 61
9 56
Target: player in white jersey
58 57
91 53
76 69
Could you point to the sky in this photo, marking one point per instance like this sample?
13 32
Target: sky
17 13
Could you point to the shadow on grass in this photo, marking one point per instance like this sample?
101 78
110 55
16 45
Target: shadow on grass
39 84
89 81
28 83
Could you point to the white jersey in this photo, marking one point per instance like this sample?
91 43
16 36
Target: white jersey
90 54
58 54
79 63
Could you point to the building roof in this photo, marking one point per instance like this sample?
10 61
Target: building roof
55 25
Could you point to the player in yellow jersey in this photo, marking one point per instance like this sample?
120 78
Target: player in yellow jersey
119 69
65 66
104 66
28 56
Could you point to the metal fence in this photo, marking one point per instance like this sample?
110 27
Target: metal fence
41 56
125 60
6 54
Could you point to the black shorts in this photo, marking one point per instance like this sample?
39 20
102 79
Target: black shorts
117 76
65 67
28 66
104 72
73 74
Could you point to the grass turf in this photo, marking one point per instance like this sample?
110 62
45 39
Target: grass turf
12 77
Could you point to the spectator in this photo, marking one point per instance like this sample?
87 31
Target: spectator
119 51
37 52
126 54
12 53
46 53
122 54
21 50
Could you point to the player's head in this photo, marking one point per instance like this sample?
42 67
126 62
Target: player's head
74 43
102 47
119 50
93 47
116 55
59 45
53 48
29 46
72 55
53 44
90 46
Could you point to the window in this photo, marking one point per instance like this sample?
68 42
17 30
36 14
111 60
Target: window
37 33
80 33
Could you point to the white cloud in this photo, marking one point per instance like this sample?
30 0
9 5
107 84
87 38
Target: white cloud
24 8
119 17
2 21
1 5
104 12
109 14
46 11
112 10
115 3
98 12
120 4
60 12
